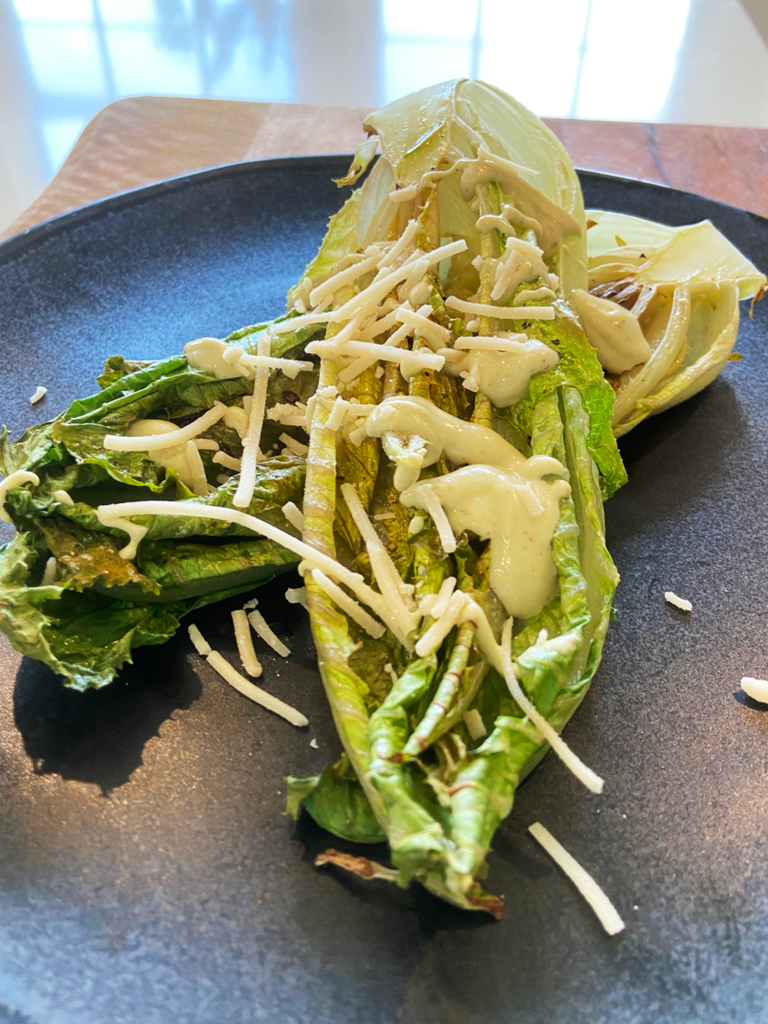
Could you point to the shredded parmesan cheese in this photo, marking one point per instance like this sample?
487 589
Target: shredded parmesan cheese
295 446
394 590
155 442
443 597
21 476
584 774
363 362
294 515
475 725
440 519
442 626
433 333
267 634
348 605
501 312
63 497
757 689
205 444
584 882
404 195
288 415
400 245
237 419
245 647
333 349
678 602
40 392
330 286
49 575
222 459
255 693
197 470
202 646
290 367
245 487
297 595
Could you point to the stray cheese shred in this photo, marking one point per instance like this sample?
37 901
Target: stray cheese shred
267 634
229 673
678 602
245 647
584 882
757 689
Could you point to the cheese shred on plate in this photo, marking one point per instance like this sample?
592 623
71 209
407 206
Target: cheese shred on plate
584 882
267 634
245 647
230 674
678 602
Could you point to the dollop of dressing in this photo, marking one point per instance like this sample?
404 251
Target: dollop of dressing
207 355
504 376
498 494
612 331
172 458
554 221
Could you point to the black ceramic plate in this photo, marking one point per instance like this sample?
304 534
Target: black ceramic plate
146 873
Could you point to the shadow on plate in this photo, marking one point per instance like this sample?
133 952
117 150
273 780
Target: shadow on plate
99 736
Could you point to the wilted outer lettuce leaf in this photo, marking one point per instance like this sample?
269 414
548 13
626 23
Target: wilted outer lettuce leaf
435 124
337 802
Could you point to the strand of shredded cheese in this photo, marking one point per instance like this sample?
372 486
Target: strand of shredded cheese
49 575
361 364
118 516
155 442
584 774
244 492
196 469
20 476
388 353
63 497
245 647
348 605
262 628
295 446
501 312
222 459
255 693
294 515
606 912
439 518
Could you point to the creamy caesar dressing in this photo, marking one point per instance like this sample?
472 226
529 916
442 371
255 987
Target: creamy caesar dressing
612 331
554 222
208 356
503 376
498 494
177 458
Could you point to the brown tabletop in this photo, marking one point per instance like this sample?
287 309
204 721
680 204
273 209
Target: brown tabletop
136 141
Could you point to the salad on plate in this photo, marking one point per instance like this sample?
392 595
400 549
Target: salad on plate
429 434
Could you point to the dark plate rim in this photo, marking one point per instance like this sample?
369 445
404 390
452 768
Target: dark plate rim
135 196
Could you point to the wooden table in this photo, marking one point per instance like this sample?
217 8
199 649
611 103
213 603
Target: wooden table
136 141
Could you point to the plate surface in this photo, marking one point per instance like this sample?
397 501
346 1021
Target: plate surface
146 873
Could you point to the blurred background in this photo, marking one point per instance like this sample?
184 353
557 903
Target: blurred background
695 61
